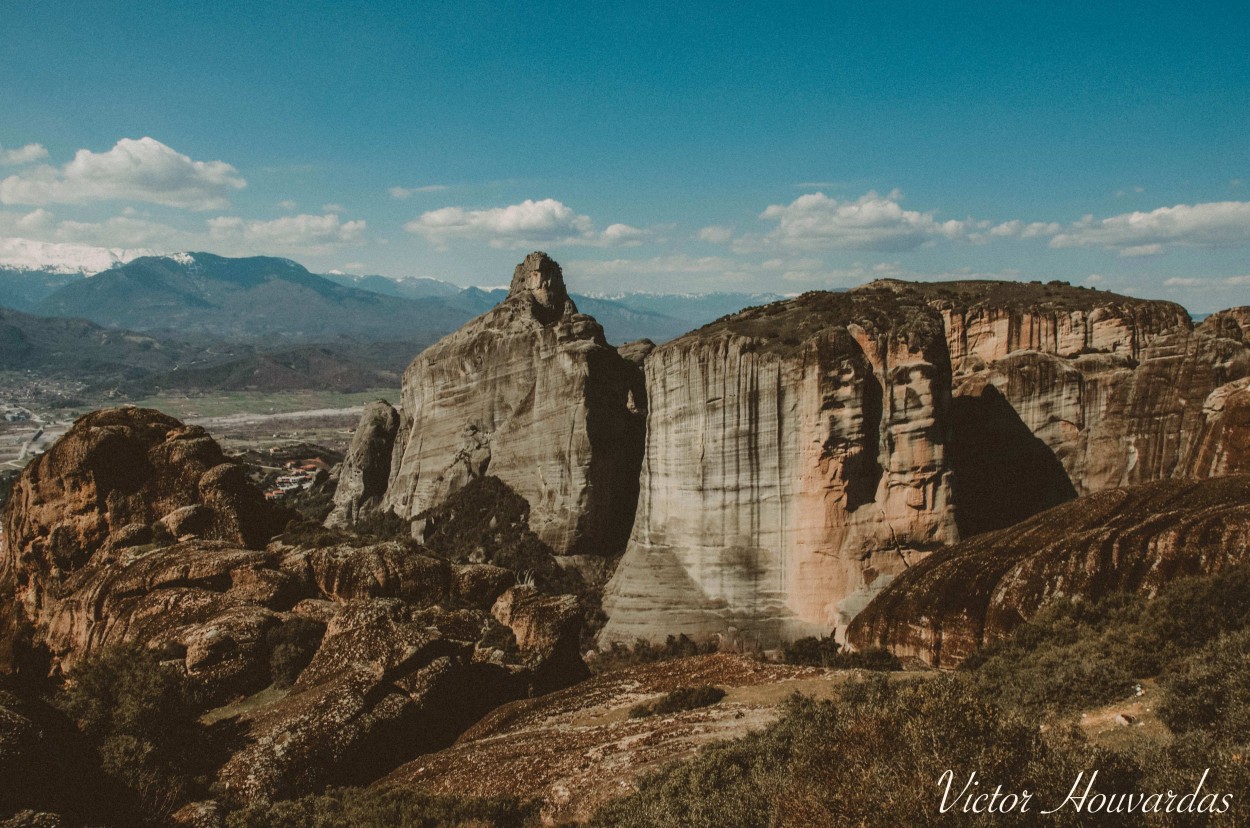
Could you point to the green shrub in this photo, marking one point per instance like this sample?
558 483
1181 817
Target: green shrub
872 757
619 656
683 698
141 719
387 807
1075 655
826 652
291 646
1210 690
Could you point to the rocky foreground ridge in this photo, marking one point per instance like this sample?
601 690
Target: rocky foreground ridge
135 529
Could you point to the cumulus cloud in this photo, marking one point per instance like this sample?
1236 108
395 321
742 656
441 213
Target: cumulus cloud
408 192
133 170
871 222
716 234
304 232
28 154
521 225
41 226
1211 224
1025 230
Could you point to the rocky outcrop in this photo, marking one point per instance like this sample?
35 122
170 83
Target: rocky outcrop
1061 391
1222 444
392 650
531 393
795 462
367 466
1134 539
389 681
111 483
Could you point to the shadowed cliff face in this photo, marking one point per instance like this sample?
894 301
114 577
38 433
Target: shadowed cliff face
795 459
531 393
1134 539
1001 472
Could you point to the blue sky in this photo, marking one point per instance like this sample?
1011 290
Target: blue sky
667 146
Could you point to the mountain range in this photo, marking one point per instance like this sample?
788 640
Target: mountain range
260 299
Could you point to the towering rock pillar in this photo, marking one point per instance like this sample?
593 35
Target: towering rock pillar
795 462
529 392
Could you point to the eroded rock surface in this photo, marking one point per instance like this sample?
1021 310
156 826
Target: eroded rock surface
395 651
795 461
107 487
1133 539
1061 391
531 393
367 465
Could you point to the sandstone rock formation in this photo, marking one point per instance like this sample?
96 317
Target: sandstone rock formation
1132 539
531 393
795 461
106 486
1061 391
404 649
367 465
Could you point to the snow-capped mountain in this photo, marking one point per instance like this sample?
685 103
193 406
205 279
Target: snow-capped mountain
65 258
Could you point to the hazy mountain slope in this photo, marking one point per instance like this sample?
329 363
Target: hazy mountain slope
74 349
256 298
23 289
409 288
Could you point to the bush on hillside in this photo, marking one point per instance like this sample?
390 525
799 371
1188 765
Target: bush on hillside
683 698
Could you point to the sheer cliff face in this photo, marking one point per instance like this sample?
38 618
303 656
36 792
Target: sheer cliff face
795 461
531 393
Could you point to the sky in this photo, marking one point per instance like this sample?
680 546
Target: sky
659 147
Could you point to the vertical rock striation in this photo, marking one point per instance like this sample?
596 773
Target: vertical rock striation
795 461
529 392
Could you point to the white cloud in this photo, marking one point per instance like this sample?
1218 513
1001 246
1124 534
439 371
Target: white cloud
142 170
872 222
521 225
1237 281
302 232
122 231
41 226
1025 230
716 234
287 204
1142 250
408 192
333 208
28 154
1177 281
1212 224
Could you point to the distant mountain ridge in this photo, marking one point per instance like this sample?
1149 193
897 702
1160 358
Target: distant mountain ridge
261 299
247 299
